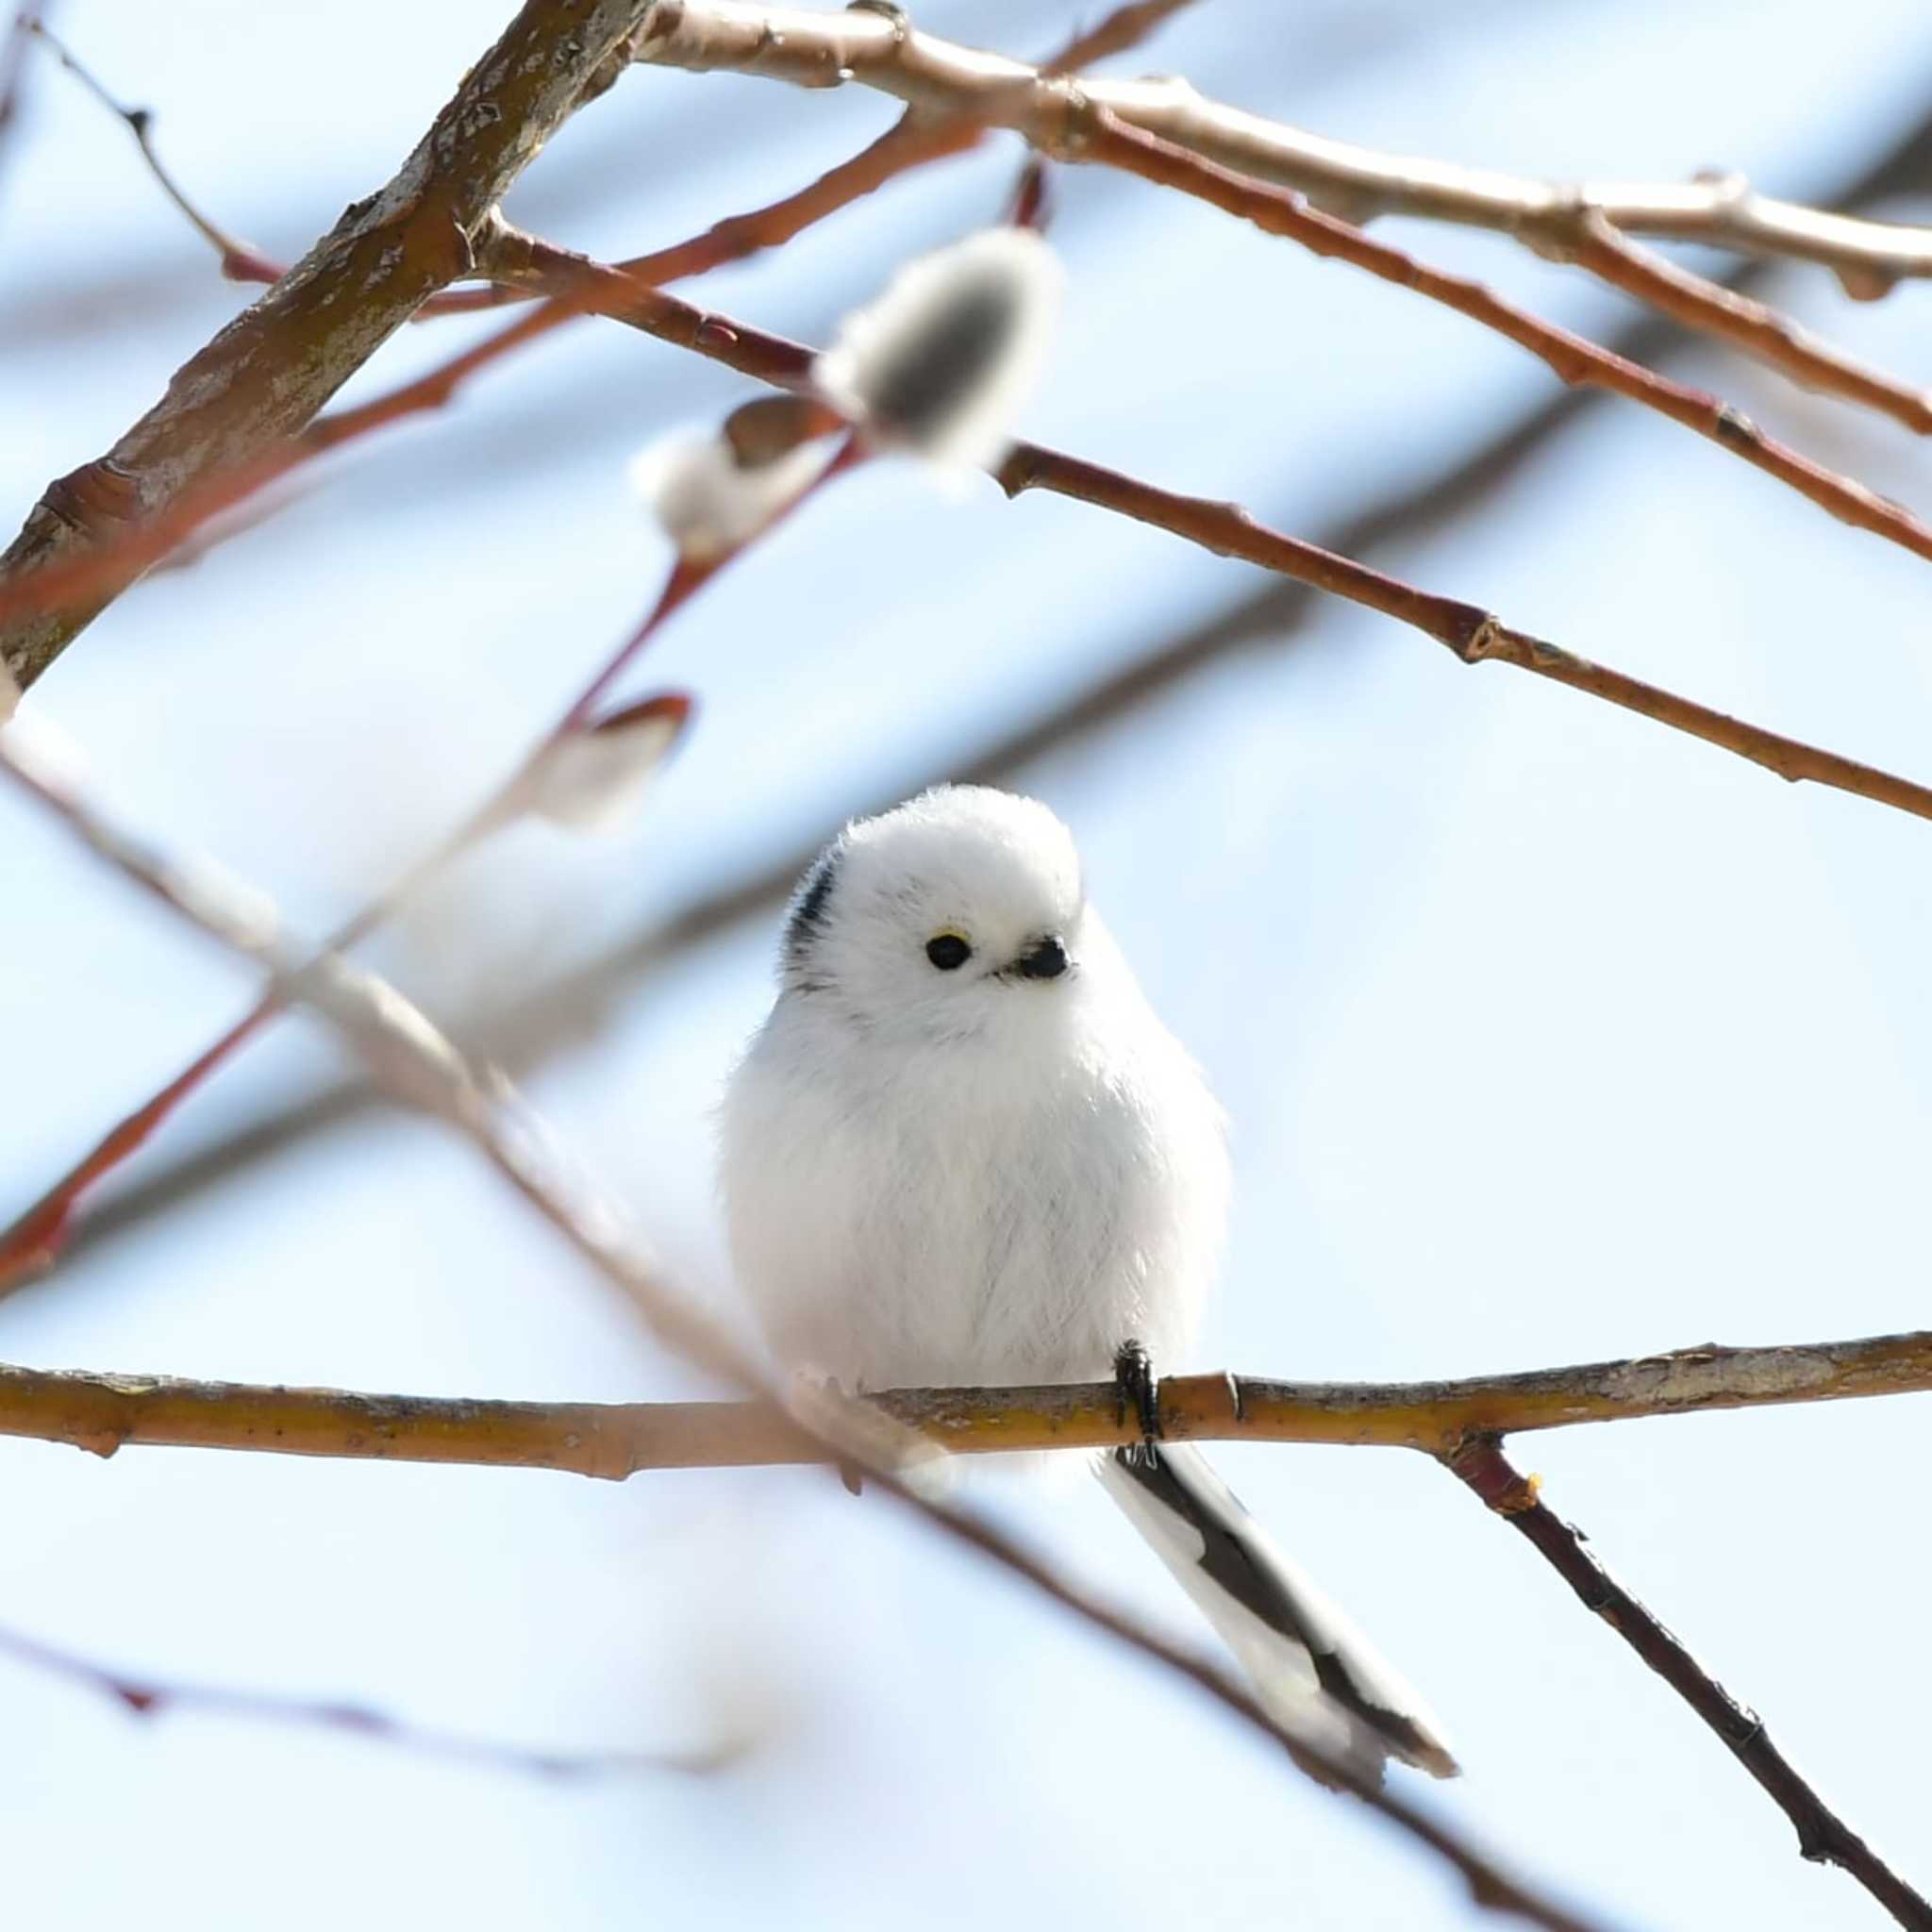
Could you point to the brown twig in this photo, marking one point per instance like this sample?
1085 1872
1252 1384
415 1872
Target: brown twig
828 48
614 1441
1823 1836
1468 630
1754 326
241 261
1573 358
1576 223
271 369
419 1066
154 1697
40 596
1473 634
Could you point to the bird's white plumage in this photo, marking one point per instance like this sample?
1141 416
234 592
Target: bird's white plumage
970 1175
998 1169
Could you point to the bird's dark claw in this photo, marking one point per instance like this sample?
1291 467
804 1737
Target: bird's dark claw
1137 1387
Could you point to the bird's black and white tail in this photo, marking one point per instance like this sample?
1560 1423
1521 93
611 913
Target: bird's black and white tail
1311 1670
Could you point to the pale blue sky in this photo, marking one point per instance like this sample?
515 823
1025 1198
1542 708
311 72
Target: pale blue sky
1546 1035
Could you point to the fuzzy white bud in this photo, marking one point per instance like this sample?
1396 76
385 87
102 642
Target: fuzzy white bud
943 360
708 499
592 779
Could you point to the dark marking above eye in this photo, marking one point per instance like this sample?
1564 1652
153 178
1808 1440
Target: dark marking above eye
948 951
808 911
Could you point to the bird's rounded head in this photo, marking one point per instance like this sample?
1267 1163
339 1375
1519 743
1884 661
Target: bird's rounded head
936 917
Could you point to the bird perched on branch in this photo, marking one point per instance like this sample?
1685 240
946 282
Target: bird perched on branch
963 1150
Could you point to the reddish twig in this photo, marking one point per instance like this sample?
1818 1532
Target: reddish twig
1823 1836
1473 634
1225 528
1759 330
1572 222
241 260
1574 359
154 1697
1119 32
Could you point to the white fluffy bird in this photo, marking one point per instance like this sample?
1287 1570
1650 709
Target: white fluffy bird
963 1150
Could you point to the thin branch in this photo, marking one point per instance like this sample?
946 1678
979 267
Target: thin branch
614 1441
271 369
1573 358
826 49
419 1066
1579 225
241 261
1471 633
1754 326
1823 1836
154 1697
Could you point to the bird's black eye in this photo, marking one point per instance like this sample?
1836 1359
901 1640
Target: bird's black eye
948 951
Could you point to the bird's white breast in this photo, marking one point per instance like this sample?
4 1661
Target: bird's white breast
964 1212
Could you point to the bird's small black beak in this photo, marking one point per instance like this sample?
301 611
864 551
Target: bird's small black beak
1046 959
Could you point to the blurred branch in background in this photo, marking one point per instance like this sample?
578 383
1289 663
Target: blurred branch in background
154 1697
420 1069
14 51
